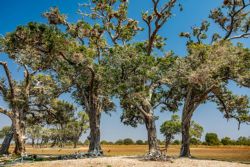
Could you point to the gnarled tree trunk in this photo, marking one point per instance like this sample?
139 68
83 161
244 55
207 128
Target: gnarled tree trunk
186 121
94 137
152 137
19 134
6 143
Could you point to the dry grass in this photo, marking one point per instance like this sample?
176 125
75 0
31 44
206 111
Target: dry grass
226 153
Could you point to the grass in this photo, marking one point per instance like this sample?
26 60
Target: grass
225 153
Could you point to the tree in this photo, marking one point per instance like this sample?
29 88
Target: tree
173 127
77 54
170 128
139 142
128 141
7 133
226 141
34 133
225 59
4 131
119 142
138 80
176 142
212 139
195 131
243 141
25 98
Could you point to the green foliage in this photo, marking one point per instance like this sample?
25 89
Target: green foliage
119 142
243 141
195 131
128 141
4 131
173 127
195 141
176 142
226 141
212 139
139 142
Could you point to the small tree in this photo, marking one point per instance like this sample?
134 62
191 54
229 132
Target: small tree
212 139
139 142
7 133
226 141
128 141
243 141
173 127
170 128
119 142
4 131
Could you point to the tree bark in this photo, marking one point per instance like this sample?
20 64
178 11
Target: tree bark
186 120
167 142
94 137
19 134
6 143
152 137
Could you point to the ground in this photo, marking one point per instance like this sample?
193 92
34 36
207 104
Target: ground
130 155
132 161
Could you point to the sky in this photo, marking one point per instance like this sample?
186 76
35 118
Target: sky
15 12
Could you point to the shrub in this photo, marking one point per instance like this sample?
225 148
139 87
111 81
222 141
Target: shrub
139 142
176 142
212 139
119 142
226 141
128 141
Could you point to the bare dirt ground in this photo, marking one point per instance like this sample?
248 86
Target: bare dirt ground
133 161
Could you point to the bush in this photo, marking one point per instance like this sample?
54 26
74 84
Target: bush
104 142
226 141
243 141
212 139
86 142
139 142
128 141
176 142
195 141
119 142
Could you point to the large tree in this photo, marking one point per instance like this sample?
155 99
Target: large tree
204 74
25 98
76 54
138 76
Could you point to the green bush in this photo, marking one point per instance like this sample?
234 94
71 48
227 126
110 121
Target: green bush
139 142
212 139
128 141
119 142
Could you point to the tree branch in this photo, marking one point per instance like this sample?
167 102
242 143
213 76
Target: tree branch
9 77
6 112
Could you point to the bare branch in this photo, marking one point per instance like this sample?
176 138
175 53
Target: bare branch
246 35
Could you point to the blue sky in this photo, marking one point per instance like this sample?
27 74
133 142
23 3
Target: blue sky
16 12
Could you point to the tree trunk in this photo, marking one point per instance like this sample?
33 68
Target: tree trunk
32 142
6 143
167 142
94 137
19 134
152 137
186 120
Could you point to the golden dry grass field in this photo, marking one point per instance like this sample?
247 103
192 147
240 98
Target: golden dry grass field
225 153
